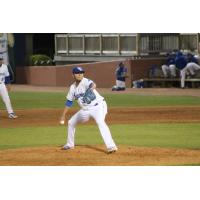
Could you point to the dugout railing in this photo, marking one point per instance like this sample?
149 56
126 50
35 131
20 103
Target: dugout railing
123 44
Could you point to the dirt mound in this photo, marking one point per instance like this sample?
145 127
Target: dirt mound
97 156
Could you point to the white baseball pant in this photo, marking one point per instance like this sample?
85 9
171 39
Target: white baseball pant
98 113
120 84
5 97
171 70
189 69
192 67
182 75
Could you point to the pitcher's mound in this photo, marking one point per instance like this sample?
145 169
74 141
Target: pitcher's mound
97 156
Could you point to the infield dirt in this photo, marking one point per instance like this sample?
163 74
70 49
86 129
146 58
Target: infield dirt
50 117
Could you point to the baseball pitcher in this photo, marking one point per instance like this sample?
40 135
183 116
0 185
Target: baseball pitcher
92 105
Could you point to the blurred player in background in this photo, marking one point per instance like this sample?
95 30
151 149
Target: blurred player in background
181 62
188 65
121 75
7 42
192 65
169 68
5 87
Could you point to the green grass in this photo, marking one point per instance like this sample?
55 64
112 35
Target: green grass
179 135
128 100
28 100
192 164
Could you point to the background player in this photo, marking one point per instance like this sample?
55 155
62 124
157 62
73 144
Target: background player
92 105
5 79
121 75
169 68
181 62
187 66
4 47
192 65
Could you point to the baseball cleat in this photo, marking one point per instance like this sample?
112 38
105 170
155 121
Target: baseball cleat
66 147
12 116
112 149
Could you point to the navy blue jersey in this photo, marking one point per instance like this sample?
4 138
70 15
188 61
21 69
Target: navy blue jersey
170 60
180 62
121 73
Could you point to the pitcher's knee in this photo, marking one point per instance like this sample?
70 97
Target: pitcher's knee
71 122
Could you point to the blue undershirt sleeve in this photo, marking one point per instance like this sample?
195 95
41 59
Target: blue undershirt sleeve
69 103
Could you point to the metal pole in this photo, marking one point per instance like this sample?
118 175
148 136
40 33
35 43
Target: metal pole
179 41
119 45
67 44
83 42
198 43
100 40
56 48
138 43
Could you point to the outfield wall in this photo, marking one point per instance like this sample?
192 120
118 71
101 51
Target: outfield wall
103 73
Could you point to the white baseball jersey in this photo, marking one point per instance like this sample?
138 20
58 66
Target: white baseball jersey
3 73
4 47
77 92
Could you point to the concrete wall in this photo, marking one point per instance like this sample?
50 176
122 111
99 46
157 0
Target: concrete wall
103 73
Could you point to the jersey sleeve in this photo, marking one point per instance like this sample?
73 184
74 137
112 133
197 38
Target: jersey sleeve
70 95
88 83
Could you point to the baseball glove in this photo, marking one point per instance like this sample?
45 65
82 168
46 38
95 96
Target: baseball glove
89 96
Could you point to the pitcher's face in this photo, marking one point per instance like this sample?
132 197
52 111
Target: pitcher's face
78 77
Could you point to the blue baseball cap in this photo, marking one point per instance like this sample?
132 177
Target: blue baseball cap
78 70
